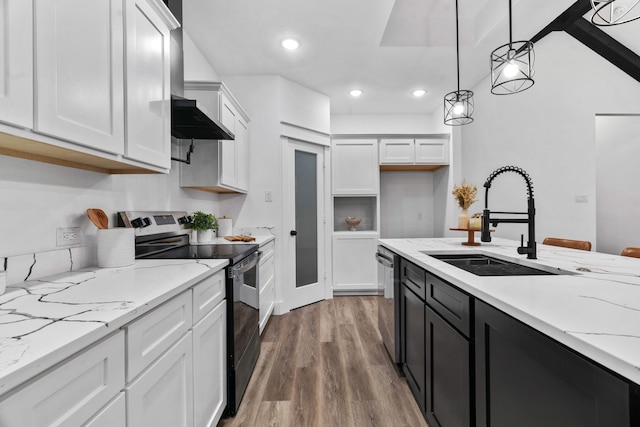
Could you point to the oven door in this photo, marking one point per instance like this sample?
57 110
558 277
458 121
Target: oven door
244 327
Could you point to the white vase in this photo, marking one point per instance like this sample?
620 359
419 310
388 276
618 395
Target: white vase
205 236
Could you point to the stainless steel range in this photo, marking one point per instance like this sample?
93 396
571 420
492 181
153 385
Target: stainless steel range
162 235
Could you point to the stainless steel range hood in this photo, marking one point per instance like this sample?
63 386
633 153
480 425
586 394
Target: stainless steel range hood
188 121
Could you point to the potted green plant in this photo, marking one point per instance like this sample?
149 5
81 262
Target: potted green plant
205 224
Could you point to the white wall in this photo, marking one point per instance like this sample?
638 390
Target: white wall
196 66
548 130
406 204
617 179
381 124
38 197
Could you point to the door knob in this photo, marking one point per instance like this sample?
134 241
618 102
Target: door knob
293 232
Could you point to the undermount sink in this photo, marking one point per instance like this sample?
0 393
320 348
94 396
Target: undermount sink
483 265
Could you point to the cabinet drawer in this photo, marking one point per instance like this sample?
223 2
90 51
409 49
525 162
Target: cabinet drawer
267 251
413 277
449 302
207 294
149 336
73 392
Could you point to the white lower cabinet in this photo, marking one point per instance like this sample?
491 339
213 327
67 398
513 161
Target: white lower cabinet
354 263
71 393
152 334
112 415
266 277
210 367
163 394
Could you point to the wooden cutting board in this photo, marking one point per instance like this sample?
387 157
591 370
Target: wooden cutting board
240 238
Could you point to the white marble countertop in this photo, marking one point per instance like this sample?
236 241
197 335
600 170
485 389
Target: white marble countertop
43 322
595 311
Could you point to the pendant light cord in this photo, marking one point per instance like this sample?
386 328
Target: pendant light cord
457 48
510 27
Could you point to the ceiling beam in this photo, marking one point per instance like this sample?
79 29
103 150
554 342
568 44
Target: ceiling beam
606 46
572 22
573 13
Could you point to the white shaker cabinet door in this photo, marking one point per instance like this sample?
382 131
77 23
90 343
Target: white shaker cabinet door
242 155
112 415
79 78
397 151
163 395
432 151
210 367
148 96
228 158
16 62
355 166
71 393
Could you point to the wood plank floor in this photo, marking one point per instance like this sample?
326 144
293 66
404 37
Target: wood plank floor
325 365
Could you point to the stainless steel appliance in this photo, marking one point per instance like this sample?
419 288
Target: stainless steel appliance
389 302
161 235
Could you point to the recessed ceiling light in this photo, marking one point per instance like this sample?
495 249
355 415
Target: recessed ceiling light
419 92
290 44
355 92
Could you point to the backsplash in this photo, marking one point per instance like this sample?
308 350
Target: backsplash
35 266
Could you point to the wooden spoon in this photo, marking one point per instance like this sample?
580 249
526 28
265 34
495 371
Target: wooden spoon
98 218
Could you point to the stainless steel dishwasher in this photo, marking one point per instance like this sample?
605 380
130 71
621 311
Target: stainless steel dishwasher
388 301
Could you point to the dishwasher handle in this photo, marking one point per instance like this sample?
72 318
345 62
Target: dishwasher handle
385 260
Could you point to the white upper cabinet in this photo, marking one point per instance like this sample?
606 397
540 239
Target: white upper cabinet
354 165
16 62
79 79
397 151
420 151
218 166
148 94
86 84
432 151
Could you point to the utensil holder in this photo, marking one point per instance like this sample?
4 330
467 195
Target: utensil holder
116 247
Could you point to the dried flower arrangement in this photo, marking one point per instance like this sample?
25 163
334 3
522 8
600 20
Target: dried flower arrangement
465 194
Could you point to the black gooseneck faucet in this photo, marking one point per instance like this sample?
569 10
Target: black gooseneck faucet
487 219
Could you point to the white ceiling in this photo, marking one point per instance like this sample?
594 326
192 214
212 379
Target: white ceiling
387 48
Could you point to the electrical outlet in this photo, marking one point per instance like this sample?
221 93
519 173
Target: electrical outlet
268 196
582 199
68 236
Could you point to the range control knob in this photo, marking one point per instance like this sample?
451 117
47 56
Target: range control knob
185 219
146 221
137 223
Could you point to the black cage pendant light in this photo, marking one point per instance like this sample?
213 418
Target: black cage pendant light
512 65
458 105
613 12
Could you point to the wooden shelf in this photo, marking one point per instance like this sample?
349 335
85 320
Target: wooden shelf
470 235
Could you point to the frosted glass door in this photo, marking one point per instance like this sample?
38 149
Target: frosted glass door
306 206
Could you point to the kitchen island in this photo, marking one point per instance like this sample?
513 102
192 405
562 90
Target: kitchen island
591 307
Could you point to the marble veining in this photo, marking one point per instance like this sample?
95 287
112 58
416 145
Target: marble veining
593 308
43 321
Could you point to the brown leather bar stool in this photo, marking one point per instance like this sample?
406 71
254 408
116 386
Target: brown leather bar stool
583 245
631 252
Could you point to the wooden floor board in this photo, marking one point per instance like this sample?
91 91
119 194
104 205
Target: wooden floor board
325 365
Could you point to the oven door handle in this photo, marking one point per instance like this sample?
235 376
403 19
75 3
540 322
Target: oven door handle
384 260
246 264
